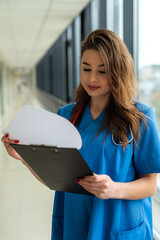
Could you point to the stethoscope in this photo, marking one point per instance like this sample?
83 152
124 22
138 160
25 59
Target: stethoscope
116 141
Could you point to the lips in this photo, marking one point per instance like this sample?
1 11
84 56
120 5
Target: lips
92 87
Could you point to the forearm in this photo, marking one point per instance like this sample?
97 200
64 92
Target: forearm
141 188
33 172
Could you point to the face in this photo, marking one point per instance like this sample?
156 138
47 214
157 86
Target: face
93 76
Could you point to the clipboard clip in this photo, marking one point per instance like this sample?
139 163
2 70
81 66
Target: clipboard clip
43 145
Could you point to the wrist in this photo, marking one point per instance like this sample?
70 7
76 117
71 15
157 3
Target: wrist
118 190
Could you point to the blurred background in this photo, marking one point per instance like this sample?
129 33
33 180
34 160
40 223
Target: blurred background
40 66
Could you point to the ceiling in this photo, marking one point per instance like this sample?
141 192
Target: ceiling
29 27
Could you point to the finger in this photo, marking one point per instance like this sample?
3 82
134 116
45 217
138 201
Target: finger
11 141
5 137
91 183
95 178
98 187
10 149
99 194
2 139
14 141
97 190
6 144
92 188
93 191
92 178
8 141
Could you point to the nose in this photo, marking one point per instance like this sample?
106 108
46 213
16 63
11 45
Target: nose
93 77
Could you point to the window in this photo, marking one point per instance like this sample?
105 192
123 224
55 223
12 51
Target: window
149 57
118 17
149 75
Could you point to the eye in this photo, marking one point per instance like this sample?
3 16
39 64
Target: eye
86 70
102 72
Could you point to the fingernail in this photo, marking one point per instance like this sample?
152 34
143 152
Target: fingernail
7 135
78 181
16 141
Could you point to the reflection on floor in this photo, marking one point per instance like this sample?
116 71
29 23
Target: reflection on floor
25 204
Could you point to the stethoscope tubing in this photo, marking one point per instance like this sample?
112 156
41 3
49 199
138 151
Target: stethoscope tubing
117 144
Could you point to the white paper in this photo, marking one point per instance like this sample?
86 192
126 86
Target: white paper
37 126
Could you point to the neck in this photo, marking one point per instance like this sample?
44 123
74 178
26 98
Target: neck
97 105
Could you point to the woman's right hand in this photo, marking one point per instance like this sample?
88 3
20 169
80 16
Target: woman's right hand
6 141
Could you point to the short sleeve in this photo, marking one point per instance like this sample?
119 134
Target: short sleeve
66 110
59 112
147 151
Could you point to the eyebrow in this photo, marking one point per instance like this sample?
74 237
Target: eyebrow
102 65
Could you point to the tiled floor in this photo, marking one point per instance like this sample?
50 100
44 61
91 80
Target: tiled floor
25 204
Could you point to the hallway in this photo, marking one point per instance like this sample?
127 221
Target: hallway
25 204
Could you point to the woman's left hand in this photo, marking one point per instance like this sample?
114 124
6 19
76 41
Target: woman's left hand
101 186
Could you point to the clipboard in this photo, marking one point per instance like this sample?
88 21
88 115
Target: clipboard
58 167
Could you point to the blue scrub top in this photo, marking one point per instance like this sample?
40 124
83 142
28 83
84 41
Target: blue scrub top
81 217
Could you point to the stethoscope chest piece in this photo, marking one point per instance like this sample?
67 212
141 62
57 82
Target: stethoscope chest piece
117 141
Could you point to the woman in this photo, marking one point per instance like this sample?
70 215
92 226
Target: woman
120 144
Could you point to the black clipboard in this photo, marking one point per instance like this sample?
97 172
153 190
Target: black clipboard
57 167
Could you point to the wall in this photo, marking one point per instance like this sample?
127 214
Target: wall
58 72
8 89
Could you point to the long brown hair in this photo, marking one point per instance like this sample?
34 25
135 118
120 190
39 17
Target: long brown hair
120 112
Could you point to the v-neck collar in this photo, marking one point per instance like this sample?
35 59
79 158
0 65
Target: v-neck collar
100 116
87 120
